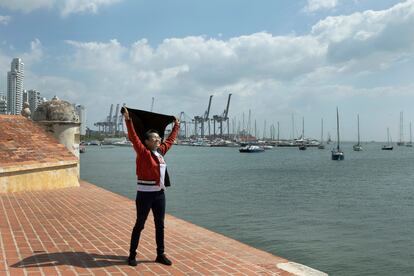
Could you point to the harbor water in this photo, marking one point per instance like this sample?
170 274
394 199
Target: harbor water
351 217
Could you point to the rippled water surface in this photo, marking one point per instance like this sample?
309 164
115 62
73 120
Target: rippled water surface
352 217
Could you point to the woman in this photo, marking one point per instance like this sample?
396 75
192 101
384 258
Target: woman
151 175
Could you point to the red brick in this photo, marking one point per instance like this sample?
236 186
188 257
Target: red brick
23 142
80 233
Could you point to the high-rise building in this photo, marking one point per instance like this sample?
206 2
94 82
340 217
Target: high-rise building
3 104
80 109
15 79
25 96
34 99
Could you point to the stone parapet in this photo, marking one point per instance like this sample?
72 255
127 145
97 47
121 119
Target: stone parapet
40 176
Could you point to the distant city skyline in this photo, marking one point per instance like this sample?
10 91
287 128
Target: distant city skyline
277 58
12 102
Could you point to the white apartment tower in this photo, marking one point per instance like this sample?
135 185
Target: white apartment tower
25 99
15 87
34 99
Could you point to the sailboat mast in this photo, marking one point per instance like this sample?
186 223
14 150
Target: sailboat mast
322 130
278 137
388 135
303 128
401 127
358 130
411 140
337 126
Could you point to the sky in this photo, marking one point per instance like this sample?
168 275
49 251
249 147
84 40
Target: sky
278 58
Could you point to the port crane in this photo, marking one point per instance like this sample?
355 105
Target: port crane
112 124
222 118
109 119
185 121
202 119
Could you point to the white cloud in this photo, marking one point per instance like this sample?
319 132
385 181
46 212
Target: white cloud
360 36
281 74
64 88
85 6
316 5
4 19
26 6
35 55
66 7
97 56
344 60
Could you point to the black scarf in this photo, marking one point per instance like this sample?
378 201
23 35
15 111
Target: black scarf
144 121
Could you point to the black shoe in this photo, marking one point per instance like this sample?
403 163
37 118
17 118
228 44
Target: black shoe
162 259
132 262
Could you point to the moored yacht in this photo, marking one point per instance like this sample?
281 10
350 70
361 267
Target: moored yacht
251 148
388 146
321 145
410 144
337 153
357 146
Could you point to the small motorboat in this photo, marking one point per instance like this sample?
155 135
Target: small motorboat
251 148
82 148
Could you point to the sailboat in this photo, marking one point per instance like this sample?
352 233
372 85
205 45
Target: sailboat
388 146
321 145
337 154
358 146
401 142
303 145
329 140
410 144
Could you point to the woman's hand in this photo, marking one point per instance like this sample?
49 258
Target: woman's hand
177 121
125 113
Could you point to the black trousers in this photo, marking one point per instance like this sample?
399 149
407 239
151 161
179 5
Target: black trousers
145 202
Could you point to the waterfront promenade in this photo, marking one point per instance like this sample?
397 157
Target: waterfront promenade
86 230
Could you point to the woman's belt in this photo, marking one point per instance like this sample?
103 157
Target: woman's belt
147 182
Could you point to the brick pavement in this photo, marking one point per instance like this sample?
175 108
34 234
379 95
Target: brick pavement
86 230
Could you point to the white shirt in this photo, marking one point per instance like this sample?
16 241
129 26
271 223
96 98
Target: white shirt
156 188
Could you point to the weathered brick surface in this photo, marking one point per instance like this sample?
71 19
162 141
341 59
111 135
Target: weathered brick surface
86 231
23 142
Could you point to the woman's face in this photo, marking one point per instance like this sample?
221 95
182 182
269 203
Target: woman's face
153 142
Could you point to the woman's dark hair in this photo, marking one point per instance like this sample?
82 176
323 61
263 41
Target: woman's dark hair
147 135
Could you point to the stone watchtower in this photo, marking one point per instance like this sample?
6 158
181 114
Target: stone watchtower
59 118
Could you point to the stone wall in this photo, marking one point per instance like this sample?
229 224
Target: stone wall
38 177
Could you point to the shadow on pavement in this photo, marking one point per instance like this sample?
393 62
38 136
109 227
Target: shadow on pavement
79 259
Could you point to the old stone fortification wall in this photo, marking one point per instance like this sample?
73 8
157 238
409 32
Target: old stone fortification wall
39 177
42 154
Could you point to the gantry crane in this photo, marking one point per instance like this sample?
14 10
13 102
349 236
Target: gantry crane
202 119
223 118
184 121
